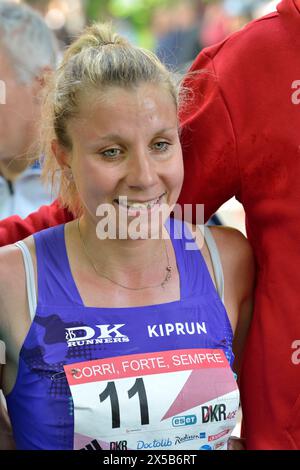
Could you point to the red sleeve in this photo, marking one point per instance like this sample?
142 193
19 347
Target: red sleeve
208 140
14 228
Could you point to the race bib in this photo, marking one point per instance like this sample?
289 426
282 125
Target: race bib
181 399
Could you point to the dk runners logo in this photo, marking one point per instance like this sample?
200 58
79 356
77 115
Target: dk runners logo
82 335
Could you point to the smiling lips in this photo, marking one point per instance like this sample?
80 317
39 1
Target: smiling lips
138 206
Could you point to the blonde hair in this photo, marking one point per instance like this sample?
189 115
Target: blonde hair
98 59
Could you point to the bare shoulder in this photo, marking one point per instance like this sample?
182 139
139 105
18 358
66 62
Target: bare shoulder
12 292
229 236
238 268
232 242
11 268
234 248
11 262
12 276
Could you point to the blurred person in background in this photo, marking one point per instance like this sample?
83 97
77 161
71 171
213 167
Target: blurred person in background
27 51
176 29
40 5
215 25
240 138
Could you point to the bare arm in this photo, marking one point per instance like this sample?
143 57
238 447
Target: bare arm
9 278
6 436
239 275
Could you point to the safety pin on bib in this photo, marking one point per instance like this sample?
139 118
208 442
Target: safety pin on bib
58 376
61 375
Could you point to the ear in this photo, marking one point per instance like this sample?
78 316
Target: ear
61 154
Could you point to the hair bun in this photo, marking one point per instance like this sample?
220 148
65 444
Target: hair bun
95 36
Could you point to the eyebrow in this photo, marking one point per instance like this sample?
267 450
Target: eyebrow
111 137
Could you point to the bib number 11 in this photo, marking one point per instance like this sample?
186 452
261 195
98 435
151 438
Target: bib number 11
111 392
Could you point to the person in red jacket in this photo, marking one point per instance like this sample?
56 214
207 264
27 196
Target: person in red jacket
241 138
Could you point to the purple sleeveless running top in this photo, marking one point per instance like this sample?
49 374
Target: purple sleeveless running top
40 405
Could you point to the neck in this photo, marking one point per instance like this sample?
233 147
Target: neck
141 261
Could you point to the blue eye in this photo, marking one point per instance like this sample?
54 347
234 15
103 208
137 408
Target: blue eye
161 146
111 153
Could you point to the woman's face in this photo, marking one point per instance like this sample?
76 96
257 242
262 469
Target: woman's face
126 153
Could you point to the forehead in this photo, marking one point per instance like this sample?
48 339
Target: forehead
144 107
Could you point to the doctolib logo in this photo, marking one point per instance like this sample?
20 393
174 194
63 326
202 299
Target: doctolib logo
155 444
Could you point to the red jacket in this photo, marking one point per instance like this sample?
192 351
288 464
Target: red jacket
14 228
242 137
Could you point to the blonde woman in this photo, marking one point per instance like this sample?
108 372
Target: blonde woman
123 340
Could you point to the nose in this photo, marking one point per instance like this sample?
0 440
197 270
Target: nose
142 172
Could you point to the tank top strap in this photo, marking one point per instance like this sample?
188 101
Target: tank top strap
29 276
54 275
194 273
215 260
188 257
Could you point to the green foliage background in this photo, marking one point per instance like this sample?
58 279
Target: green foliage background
138 12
